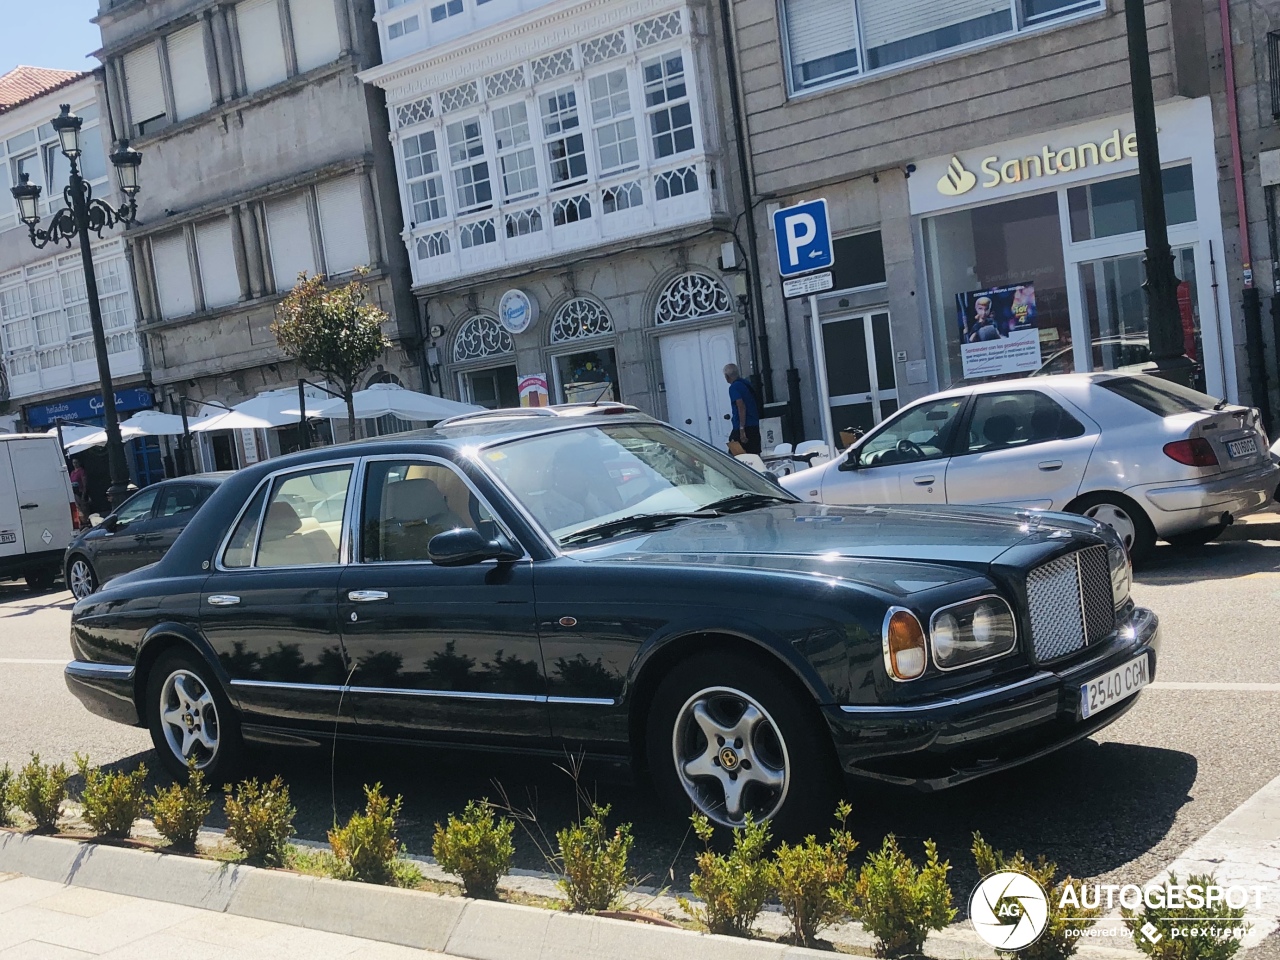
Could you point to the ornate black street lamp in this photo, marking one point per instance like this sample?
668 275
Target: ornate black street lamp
82 213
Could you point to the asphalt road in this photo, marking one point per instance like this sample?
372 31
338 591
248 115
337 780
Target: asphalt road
1117 808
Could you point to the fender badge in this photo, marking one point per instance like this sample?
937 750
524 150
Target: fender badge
568 621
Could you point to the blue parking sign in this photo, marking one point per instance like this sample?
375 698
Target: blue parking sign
803 237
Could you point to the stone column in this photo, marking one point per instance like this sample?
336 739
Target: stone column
252 250
238 251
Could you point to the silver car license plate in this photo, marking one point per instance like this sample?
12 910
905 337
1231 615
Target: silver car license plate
1242 448
8 536
1109 689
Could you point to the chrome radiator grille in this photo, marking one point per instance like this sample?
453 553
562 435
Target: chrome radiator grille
1070 602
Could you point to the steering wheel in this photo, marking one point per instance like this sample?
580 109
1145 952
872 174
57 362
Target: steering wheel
910 448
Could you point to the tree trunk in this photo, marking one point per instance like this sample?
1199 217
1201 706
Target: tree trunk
349 396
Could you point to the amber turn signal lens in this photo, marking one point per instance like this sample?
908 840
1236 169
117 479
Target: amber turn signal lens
904 646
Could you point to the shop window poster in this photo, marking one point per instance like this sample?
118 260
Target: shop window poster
998 332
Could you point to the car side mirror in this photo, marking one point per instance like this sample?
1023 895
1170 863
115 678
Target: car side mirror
462 547
850 462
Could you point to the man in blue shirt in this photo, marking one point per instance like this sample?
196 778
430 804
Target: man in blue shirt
743 409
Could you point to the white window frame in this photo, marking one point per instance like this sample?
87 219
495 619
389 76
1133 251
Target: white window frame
668 104
561 135
468 164
513 141
614 120
440 201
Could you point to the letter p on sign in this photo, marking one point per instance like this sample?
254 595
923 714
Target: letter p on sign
803 237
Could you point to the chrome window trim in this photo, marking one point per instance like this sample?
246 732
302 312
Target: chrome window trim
893 708
282 685
88 670
434 460
270 479
884 645
973 600
411 692
583 701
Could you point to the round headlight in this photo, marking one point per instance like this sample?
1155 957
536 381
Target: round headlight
985 623
945 635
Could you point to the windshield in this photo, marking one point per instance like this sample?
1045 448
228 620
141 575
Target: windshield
581 478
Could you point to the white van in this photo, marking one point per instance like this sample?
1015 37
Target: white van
37 508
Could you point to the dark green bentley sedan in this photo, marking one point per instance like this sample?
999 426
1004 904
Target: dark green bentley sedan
587 578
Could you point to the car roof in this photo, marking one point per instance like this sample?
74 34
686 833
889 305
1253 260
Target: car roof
1069 382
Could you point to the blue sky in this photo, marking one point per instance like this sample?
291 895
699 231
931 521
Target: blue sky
48 33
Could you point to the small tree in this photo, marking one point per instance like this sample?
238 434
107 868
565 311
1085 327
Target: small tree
332 332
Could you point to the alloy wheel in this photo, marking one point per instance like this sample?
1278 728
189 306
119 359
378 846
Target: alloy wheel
1118 519
730 756
80 579
189 718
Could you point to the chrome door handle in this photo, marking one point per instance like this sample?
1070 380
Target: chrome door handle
223 600
922 481
29 506
365 596
1048 465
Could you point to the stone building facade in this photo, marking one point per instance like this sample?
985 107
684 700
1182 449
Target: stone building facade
264 156
567 193
983 150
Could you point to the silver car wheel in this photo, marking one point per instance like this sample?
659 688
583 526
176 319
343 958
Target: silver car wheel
730 756
80 578
189 718
1117 519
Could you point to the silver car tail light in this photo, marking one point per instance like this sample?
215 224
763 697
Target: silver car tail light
1071 603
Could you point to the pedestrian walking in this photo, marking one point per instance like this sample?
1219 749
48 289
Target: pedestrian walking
80 488
744 412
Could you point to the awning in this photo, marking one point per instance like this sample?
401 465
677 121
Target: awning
275 408
382 399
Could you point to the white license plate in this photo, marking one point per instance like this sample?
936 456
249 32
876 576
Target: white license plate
8 536
1242 448
1112 687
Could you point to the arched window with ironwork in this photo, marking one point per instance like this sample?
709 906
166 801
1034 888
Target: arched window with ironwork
692 296
481 336
579 319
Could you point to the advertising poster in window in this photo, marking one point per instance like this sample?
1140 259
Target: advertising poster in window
533 390
998 332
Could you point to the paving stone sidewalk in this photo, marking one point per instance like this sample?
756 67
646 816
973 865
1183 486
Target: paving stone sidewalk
40 920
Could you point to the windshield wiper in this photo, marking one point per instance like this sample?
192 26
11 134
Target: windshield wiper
639 521
746 501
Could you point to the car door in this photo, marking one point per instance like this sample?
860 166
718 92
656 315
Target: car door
124 534
44 494
903 461
269 608
1021 448
443 653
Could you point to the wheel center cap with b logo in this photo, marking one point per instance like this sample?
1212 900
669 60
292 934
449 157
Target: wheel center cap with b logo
729 758
1009 910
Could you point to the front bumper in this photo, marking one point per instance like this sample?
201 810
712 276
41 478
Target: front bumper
1183 507
106 689
947 741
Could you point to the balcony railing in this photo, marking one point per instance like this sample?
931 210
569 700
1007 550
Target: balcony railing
612 209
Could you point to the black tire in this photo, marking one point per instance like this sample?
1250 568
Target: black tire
219 765
811 777
38 581
79 575
1198 538
1143 538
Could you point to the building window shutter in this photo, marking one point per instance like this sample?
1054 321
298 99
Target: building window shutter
261 43
173 275
823 40
289 236
189 72
217 258
342 225
143 84
315 33
897 30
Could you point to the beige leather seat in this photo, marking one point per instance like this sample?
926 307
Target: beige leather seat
285 544
414 511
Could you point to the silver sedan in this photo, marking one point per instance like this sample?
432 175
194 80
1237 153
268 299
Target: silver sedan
1150 458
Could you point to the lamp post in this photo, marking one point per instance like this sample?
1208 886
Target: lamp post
81 214
1164 323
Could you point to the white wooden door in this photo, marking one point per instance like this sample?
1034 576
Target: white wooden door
693 373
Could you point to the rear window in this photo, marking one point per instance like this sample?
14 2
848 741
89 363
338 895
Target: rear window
1161 397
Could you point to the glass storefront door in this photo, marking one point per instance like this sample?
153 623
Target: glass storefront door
861 379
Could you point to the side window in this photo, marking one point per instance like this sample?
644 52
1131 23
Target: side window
407 502
239 553
921 433
1009 420
177 499
136 508
303 522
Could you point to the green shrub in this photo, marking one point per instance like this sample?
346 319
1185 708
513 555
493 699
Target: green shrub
1064 926
733 889
260 819
39 790
366 848
594 862
179 810
814 883
899 902
1205 946
476 847
6 788
112 800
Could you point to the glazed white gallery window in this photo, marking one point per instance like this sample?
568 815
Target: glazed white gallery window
36 152
830 40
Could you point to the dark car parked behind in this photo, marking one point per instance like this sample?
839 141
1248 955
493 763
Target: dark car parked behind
137 534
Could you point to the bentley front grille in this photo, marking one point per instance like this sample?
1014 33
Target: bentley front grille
1071 603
